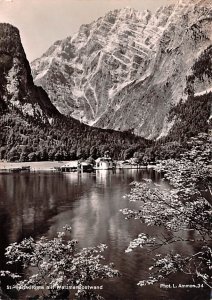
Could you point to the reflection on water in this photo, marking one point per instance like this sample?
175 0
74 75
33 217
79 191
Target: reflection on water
37 204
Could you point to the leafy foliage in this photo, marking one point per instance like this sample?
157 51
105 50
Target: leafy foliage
184 208
56 265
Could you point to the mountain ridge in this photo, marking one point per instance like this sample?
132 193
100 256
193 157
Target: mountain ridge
128 55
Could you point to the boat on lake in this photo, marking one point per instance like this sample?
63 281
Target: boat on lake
130 164
85 166
15 170
68 167
80 166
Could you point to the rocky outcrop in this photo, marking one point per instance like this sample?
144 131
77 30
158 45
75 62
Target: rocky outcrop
126 70
17 89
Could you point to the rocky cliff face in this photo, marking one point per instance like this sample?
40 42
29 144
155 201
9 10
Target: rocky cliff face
126 70
17 90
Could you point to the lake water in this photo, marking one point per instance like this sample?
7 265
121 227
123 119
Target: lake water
35 204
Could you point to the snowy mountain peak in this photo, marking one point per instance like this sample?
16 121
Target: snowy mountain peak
128 67
131 13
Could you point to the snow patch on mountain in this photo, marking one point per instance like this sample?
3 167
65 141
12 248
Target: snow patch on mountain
167 125
39 76
207 91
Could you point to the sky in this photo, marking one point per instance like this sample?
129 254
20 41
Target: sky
42 22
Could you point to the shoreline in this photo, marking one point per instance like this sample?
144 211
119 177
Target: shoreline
49 166
34 166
